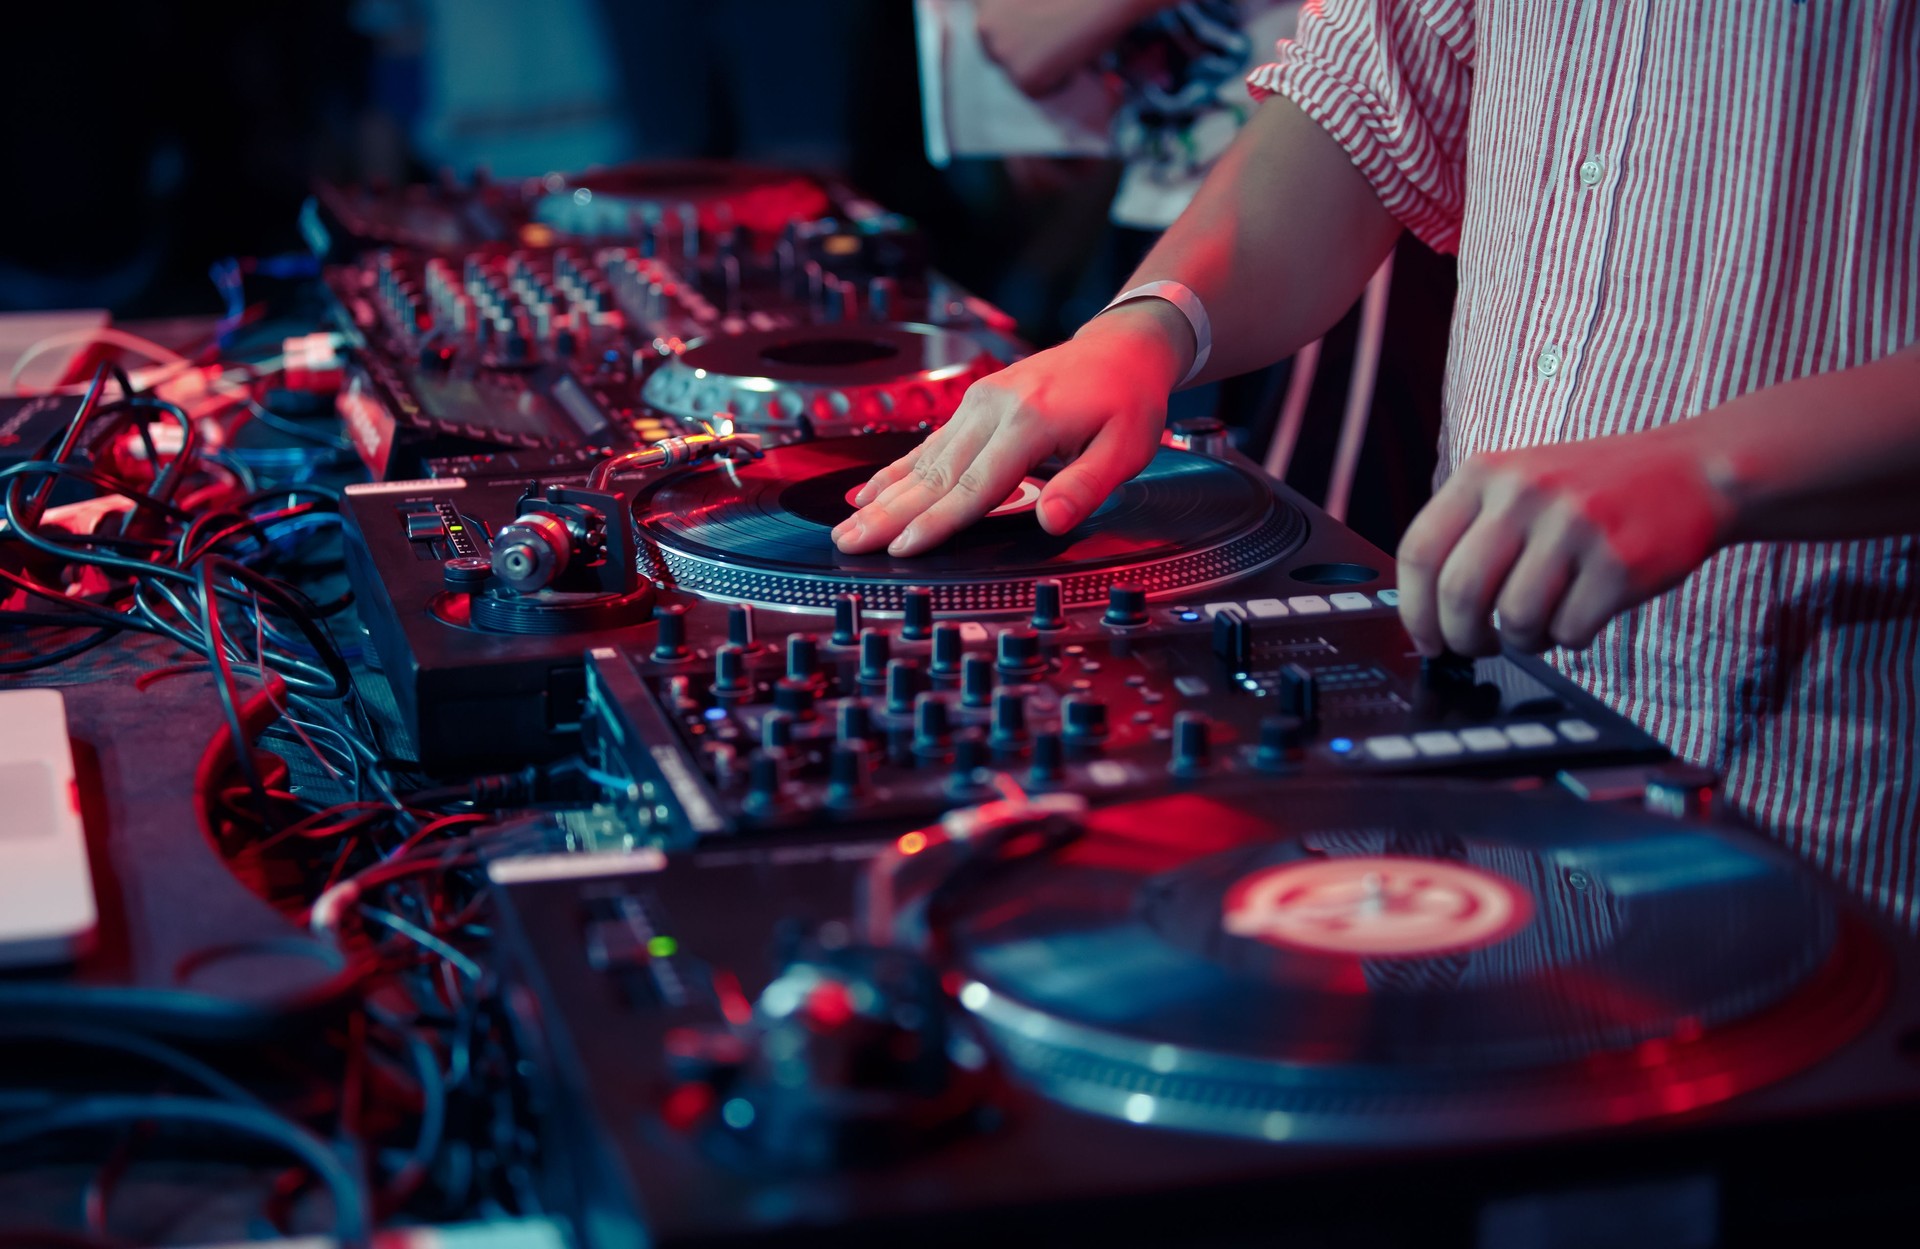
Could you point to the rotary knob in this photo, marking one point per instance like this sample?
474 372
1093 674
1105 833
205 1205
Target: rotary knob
1019 654
1048 601
916 614
1083 719
853 722
946 651
740 625
976 680
903 683
1126 605
846 619
803 658
969 756
847 768
730 673
670 639
875 650
932 728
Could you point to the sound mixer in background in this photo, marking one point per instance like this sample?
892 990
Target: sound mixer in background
1683 409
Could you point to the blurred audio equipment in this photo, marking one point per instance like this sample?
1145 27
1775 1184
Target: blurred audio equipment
605 321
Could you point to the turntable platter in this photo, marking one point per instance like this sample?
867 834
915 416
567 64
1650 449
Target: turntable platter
1185 522
1416 961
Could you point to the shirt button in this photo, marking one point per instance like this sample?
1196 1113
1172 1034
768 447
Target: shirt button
1591 170
1549 362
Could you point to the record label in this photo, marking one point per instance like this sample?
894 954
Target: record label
1376 907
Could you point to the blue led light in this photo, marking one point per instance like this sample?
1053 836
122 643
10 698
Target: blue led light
1189 615
1340 745
716 713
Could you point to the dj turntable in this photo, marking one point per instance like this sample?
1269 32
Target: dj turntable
1364 1014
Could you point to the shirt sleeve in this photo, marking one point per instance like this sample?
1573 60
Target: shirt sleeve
1391 81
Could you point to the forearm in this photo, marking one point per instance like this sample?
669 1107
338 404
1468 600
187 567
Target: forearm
1832 456
1278 244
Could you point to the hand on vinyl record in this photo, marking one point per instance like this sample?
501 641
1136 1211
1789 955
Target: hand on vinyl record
1558 539
1099 400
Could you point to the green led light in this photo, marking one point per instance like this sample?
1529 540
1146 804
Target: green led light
453 528
662 947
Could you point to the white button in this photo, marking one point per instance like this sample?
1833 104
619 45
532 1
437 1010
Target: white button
1107 773
1549 362
1308 604
1389 598
1483 740
1530 735
1436 745
1390 749
1266 608
1579 731
1352 601
1214 609
1591 170
973 631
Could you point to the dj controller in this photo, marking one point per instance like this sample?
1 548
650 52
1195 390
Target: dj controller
1140 883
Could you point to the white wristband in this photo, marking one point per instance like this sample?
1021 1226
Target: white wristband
1177 294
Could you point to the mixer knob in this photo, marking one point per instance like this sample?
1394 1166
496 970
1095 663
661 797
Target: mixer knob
670 642
803 657
976 680
883 297
969 756
1282 738
517 350
946 651
776 733
1192 744
853 722
932 729
903 682
763 784
1009 721
730 672
1083 719
1020 655
1126 604
1049 759
916 614
794 697
846 619
1047 603
1298 693
740 623
564 341
875 648
847 769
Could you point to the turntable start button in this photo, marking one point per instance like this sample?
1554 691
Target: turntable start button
1530 735
1309 604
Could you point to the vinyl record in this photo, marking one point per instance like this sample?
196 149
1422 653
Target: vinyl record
1408 962
1185 522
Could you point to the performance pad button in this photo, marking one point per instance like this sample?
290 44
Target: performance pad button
1376 907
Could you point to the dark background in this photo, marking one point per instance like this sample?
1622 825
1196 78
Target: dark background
147 142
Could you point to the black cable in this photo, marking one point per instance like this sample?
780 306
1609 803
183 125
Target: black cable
350 1207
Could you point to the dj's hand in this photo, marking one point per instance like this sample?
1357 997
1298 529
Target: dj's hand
1099 400
1558 539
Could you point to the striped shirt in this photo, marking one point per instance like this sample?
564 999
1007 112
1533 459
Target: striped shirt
1659 207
